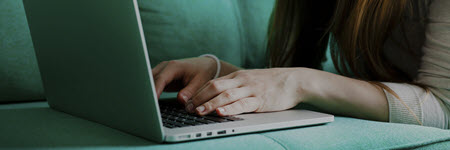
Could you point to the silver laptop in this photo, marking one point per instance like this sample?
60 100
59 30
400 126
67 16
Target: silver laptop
94 64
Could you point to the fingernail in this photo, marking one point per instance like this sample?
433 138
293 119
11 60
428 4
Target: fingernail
190 107
201 108
221 110
184 97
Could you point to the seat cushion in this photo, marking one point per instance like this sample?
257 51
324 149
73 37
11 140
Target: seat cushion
350 133
34 126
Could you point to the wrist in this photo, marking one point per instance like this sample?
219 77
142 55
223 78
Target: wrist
227 68
217 62
311 85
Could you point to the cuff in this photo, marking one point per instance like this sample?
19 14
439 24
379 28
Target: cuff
405 108
416 106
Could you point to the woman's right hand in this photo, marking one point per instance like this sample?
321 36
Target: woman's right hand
184 75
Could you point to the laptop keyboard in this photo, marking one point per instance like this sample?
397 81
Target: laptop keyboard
174 116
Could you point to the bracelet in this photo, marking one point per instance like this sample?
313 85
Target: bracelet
217 62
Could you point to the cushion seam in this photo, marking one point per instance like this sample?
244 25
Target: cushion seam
276 141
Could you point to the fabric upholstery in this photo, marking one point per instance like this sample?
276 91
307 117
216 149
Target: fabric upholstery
229 29
35 126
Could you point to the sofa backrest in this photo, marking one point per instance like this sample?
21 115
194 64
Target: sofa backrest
234 30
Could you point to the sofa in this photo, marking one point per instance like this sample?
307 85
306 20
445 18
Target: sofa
234 30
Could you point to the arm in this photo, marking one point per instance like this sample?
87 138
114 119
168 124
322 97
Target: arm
346 96
350 97
264 90
429 108
411 104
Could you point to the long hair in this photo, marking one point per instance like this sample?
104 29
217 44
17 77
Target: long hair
299 29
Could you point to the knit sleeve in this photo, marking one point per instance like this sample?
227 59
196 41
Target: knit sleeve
415 105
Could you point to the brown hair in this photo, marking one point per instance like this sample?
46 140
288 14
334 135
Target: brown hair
358 28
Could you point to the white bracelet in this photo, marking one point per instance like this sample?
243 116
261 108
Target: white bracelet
217 62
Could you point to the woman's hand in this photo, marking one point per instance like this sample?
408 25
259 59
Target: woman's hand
186 76
251 91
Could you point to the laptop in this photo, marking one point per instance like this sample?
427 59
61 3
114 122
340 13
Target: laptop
94 64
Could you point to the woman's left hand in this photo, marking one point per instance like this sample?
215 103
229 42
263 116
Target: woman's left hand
244 91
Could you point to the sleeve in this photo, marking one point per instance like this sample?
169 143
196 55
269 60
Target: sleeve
414 105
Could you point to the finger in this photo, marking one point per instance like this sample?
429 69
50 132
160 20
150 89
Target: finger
250 104
229 76
187 92
224 98
214 88
156 70
166 76
190 106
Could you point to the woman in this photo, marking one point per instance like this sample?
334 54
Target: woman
394 57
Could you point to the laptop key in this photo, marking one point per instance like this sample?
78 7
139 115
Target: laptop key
163 115
178 124
173 113
191 122
180 120
169 126
184 124
170 117
191 117
204 121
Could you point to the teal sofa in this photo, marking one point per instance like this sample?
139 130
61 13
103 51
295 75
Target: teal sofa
234 30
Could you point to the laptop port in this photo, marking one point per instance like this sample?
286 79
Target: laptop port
198 135
184 136
222 132
209 133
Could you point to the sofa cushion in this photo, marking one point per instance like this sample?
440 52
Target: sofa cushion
233 30
35 126
351 133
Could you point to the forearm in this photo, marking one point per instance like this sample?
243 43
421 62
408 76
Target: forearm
346 96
